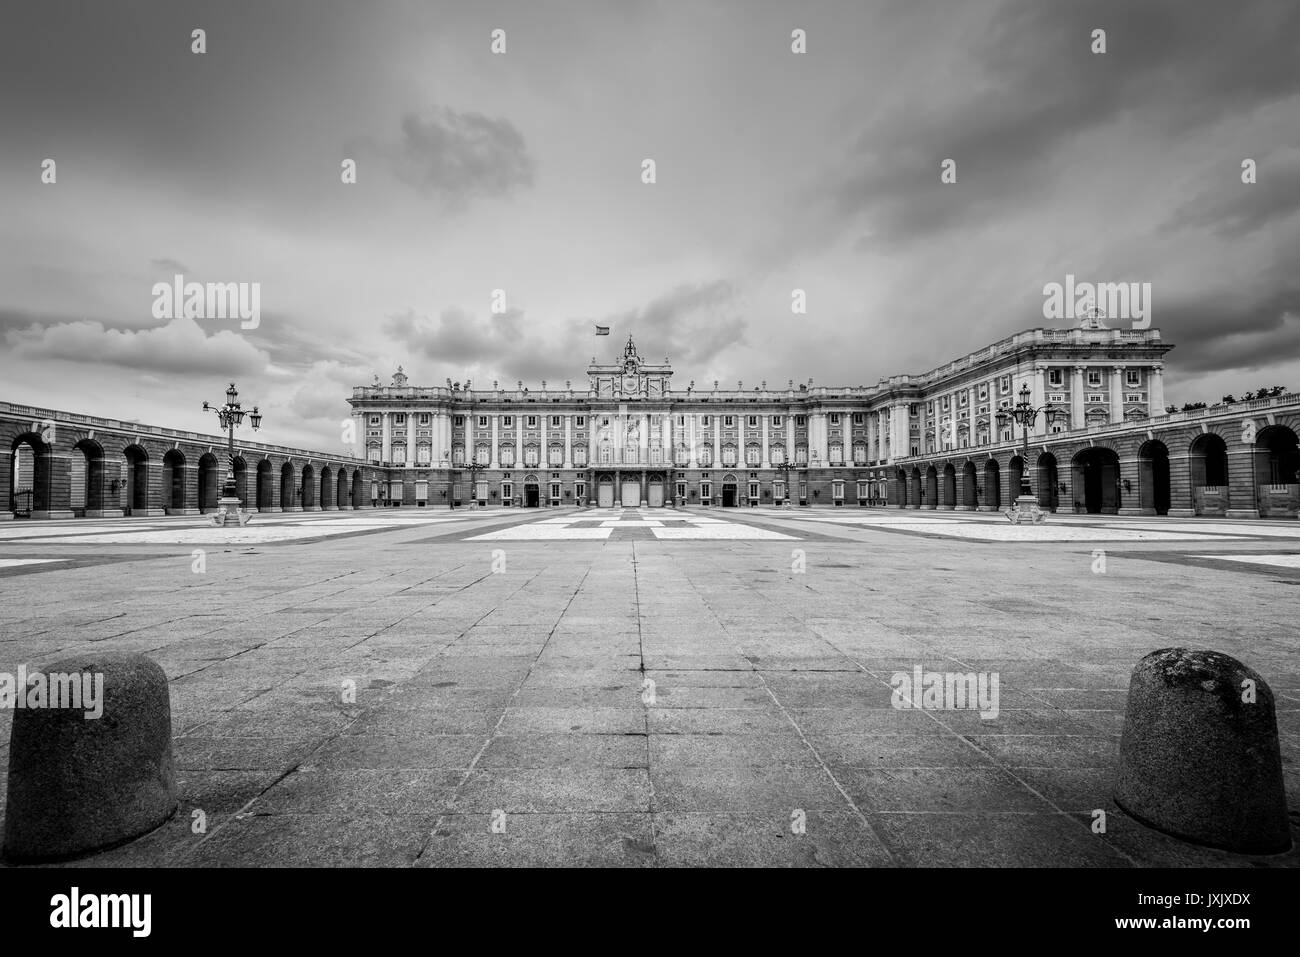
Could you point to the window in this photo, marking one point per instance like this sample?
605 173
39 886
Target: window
606 454
483 455
945 404
482 421
1094 377
1133 376
399 418
580 421
507 456
458 456
530 456
837 454
1055 377
531 421
777 454
458 421
835 418
704 420
776 421
859 454
1134 397
374 420
580 457
800 421
555 457
1004 384
753 491
862 490
507 491
857 418
837 490
728 421
580 489
373 453
753 456
752 421
399 454
555 421
706 456
963 399
507 421
729 455
423 454
706 490
983 392
681 491
778 490
555 491
911 409
803 491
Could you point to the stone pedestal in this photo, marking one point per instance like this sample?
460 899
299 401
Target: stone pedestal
229 513
1026 512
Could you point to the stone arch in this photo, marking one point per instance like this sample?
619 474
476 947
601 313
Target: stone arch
1277 471
1208 462
915 497
1153 478
30 475
969 486
307 484
992 486
1016 476
175 494
136 495
898 488
327 488
1096 481
241 483
341 489
88 475
209 482
948 498
1049 482
931 499
288 489
265 486
358 489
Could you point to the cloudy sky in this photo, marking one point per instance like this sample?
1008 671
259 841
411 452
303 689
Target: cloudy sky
522 172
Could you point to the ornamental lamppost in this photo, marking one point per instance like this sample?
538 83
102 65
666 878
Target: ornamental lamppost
785 466
1026 413
231 415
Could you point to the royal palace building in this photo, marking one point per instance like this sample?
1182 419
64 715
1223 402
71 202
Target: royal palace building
632 436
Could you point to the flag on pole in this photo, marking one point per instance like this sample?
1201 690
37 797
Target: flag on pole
602 330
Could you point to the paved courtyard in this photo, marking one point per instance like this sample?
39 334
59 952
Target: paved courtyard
651 687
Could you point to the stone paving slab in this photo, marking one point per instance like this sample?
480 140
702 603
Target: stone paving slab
368 695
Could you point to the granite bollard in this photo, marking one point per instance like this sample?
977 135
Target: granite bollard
1199 755
81 781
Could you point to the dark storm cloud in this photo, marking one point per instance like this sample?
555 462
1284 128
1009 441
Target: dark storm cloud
1232 209
1242 328
458 156
181 347
695 321
1170 67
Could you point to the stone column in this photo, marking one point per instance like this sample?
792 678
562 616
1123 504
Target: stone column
1131 500
1077 420
387 421
1038 398
789 446
742 461
495 460
410 439
519 448
1156 391
1116 394
717 441
767 458
568 441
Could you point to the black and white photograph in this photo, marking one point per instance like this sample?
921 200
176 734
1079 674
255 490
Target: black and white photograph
650 434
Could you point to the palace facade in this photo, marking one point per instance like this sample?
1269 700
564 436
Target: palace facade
632 436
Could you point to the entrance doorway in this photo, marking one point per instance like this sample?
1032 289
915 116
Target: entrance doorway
532 496
605 495
729 495
631 494
655 496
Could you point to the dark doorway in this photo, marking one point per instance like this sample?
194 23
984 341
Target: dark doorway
728 496
532 496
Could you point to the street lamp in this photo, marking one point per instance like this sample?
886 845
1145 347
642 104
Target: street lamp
785 466
230 415
1026 413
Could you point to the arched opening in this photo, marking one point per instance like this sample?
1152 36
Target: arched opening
241 482
605 491
307 482
533 492
1096 482
931 487
1209 465
1049 482
949 497
265 486
729 496
898 489
1153 478
358 489
88 480
969 487
1016 476
29 477
341 489
1277 472
914 491
992 486
327 499
137 479
209 483
173 482
288 490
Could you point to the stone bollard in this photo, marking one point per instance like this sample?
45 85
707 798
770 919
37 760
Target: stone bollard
1199 756
80 782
